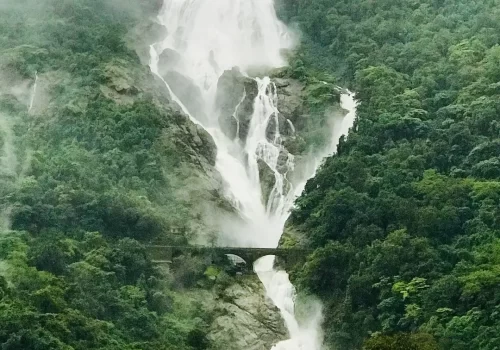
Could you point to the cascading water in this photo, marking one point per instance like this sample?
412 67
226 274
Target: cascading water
33 94
212 37
206 38
306 336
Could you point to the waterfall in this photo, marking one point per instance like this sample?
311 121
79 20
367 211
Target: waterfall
33 94
306 336
206 38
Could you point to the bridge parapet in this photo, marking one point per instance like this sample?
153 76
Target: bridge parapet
163 253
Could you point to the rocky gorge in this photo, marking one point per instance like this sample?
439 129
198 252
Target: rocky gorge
300 126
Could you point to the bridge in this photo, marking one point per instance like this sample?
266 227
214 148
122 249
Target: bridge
165 253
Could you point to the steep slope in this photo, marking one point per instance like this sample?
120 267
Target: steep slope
95 160
103 129
405 218
99 159
215 58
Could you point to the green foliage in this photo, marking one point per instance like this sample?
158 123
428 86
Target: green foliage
401 342
98 163
212 272
107 297
405 218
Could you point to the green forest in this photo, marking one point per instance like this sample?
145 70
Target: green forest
86 178
405 219
403 222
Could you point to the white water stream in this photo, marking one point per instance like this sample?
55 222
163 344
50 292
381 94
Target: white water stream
211 36
307 334
33 93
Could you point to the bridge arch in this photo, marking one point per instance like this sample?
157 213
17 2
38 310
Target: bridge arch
236 260
165 254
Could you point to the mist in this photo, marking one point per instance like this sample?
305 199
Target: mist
35 6
14 163
8 168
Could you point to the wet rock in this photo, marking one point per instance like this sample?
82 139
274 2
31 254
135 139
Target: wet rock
246 108
229 125
188 93
290 98
245 319
289 128
282 124
283 165
271 130
156 6
168 60
267 179
206 145
144 34
234 102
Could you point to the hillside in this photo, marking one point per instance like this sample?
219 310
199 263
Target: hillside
93 156
98 159
405 219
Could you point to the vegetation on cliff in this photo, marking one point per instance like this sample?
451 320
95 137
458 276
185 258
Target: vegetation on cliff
405 219
93 157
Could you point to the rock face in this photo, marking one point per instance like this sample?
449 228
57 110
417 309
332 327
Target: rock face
290 98
234 103
267 179
283 158
305 113
283 127
143 35
169 59
291 102
244 318
200 142
186 90
196 180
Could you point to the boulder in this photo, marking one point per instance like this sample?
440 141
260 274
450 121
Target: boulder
168 60
243 318
290 98
234 102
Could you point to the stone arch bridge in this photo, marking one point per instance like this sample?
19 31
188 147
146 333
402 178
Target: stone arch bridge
165 253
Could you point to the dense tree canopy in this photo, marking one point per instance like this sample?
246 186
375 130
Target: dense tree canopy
87 174
405 219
